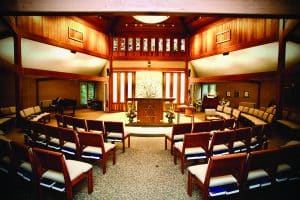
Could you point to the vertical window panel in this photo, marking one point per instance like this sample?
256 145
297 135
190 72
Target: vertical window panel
168 44
130 44
160 44
122 87
175 45
115 87
182 45
129 86
137 44
145 44
123 44
175 86
115 44
168 85
204 90
182 87
152 44
83 93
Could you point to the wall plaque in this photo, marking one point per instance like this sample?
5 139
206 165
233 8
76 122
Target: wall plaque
223 36
75 35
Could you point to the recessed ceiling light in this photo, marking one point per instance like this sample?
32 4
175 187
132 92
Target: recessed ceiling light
150 19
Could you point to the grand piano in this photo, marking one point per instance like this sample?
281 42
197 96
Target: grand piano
60 105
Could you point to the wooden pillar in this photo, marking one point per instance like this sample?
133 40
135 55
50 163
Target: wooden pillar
110 88
258 94
18 77
280 68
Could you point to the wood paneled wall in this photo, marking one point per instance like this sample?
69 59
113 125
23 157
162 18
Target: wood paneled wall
7 88
56 28
51 89
268 93
29 92
243 33
240 87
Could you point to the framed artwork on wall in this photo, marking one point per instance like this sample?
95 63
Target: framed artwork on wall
246 94
228 94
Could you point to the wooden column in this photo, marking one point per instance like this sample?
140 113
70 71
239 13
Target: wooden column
110 88
18 77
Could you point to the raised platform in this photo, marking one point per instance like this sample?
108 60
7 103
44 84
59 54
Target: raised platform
147 131
139 124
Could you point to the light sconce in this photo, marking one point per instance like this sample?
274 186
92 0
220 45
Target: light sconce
149 63
226 53
150 19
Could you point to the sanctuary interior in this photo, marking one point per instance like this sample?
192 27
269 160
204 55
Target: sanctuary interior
203 61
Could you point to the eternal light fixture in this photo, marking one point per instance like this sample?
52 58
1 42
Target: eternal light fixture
150 19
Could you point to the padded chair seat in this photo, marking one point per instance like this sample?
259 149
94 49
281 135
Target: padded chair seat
239 146
80 129
4 164
220 149
96 152
258 178
25 171
178 137
74 167
69 148
290 124
220 185
115 136
54 143
191 153
41 139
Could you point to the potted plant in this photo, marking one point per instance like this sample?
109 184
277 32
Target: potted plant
131 114
170 115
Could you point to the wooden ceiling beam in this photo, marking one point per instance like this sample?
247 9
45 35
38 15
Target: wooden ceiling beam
235 77
171 7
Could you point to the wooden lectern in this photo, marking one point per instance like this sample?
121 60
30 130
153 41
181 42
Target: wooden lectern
150 110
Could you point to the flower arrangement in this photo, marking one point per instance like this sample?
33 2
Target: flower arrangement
170 114
131 114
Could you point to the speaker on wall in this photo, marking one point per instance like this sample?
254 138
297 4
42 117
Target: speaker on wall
189 73
107 71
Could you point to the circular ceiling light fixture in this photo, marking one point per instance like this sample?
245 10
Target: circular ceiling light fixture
150 19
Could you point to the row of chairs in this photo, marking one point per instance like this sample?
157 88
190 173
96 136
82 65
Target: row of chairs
112 131
81 145
241 174
43 169
179 130
202 145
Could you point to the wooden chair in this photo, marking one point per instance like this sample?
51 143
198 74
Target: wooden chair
68 121
69 143
201 127
221 143
52 137
229 123
288 164
114 132
256 142
57 173
221 177
241 140
39 134
260 169
22 160
5 157
95 126
217 125
79 124
93 147
177 134
59 120
193 147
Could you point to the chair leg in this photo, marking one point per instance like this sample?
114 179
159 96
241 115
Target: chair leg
190 184
182 160
103 163
128 141
123 141
90 181
166 146
175 157
114 155
172 146
69 195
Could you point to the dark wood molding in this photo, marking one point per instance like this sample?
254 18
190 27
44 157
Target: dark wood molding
6 34
236 77
288 8
62 75
134 69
